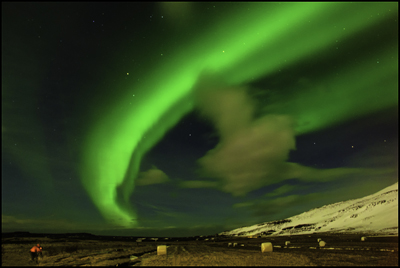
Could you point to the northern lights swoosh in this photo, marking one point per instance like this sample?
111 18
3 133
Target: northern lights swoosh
245 46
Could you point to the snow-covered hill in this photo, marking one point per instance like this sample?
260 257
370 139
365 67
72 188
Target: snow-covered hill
376 213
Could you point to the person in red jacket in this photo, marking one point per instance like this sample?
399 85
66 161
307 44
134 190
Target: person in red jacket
36 252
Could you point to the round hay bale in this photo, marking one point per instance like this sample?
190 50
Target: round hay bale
287 243
266 247
162 250
322 243
363 238
234 244
319 239
229 244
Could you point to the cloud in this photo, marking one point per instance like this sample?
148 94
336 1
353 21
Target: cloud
252 152
243 204
176 14
245 158
12 223
198 184
152 176
308 174
270 208
158 211
249 150
282 190
382 153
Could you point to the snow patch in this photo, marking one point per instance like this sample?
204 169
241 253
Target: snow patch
376 213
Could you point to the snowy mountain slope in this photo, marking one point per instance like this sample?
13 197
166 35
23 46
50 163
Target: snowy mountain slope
376 213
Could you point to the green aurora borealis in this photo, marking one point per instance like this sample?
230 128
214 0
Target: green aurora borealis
271 42
91 100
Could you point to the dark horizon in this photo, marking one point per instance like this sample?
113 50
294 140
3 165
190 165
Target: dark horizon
33 234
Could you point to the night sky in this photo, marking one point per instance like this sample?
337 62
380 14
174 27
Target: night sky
181 119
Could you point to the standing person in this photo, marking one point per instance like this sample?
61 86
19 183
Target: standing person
36 251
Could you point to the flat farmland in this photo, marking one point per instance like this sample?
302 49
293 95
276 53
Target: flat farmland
340 250
207 255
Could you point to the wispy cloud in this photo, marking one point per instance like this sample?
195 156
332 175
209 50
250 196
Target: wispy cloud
160 211
281 190
13 223
152 176
270 208
198 184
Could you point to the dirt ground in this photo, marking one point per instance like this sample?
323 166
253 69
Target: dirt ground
302 251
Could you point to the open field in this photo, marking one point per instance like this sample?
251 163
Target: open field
340 250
